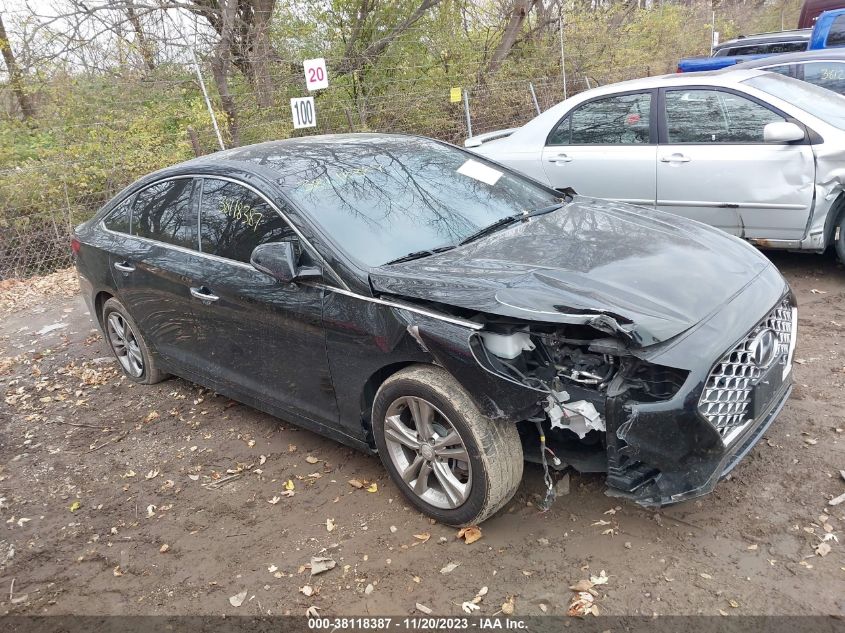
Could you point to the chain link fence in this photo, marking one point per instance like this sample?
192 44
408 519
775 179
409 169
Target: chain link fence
35 236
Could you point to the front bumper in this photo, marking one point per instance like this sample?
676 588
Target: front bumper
665 452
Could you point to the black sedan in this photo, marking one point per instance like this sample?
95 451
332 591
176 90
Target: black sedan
408 298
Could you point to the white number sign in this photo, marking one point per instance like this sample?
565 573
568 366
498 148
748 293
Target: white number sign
316 77
303 113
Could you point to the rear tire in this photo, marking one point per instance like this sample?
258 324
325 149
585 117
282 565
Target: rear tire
471 465
128 346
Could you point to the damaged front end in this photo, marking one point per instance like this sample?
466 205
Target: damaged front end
664 422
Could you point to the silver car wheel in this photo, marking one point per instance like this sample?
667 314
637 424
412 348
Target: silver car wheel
125 345
428 452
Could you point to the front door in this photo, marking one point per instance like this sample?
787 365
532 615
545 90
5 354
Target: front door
714 166
606 148
259 337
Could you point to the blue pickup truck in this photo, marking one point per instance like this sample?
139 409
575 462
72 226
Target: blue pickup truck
828 32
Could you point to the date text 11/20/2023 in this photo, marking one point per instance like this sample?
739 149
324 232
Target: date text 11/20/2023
416 623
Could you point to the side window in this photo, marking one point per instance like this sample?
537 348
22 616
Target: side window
163 212
234 220
790 70
713 116
618 120
836 36
830 75
120 218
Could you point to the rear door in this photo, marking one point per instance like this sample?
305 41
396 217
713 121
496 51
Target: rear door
152 261
606 148
714 166
257 336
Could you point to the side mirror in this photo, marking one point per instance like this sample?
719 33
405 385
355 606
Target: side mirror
782 132
279 260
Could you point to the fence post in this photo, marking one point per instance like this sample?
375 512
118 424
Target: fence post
562 56
466 113
534 96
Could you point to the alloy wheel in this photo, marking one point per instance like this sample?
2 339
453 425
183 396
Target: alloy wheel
428 452
125 345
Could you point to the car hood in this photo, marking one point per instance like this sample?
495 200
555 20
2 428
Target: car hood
642 273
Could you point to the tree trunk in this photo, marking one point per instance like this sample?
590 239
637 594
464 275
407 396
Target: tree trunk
220 65
145 47
521 9
15 76
259 51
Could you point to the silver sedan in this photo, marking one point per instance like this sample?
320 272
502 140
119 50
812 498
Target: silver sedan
757 154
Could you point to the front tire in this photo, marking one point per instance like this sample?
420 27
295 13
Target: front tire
128 346
448 459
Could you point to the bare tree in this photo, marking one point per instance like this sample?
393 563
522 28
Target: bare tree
360 52
220 65
15 75
145 46
518 15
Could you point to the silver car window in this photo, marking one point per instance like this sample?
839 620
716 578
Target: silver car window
819 102
715 116
616 120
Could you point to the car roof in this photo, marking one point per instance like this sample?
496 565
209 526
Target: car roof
834 54
269 157
777 36
723 77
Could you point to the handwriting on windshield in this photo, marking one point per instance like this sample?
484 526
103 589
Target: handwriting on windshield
236 209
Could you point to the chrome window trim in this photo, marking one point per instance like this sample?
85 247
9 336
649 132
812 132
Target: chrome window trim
273 206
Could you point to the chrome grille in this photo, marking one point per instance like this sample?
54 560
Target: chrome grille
727 394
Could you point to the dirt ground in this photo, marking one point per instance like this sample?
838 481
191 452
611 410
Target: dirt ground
124 499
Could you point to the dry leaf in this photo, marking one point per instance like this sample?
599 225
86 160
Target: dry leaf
601 579
321 564
152 474
423 609
307 590
823 549
311 459
469 607
355 483
449 568
422 538
329 525
581 585
470 534
274 500
238 599
373 487
75 506
312 612
164 548
507 607
289 485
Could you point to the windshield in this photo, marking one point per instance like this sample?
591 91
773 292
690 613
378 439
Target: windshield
819 102
381 198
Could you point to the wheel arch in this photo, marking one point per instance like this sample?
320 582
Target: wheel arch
834 217
371 387
99 301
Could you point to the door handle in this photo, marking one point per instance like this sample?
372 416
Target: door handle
560 158
124 267
675 158
203 294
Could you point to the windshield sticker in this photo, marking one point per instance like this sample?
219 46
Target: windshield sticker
236 209
480 171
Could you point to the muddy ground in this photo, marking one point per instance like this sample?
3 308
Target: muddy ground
125 499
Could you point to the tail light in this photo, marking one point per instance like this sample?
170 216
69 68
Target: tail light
75 244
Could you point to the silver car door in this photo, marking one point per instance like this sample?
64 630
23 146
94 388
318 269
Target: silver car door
606 148
714 166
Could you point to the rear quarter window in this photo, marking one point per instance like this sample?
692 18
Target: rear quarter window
120 218
164 212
